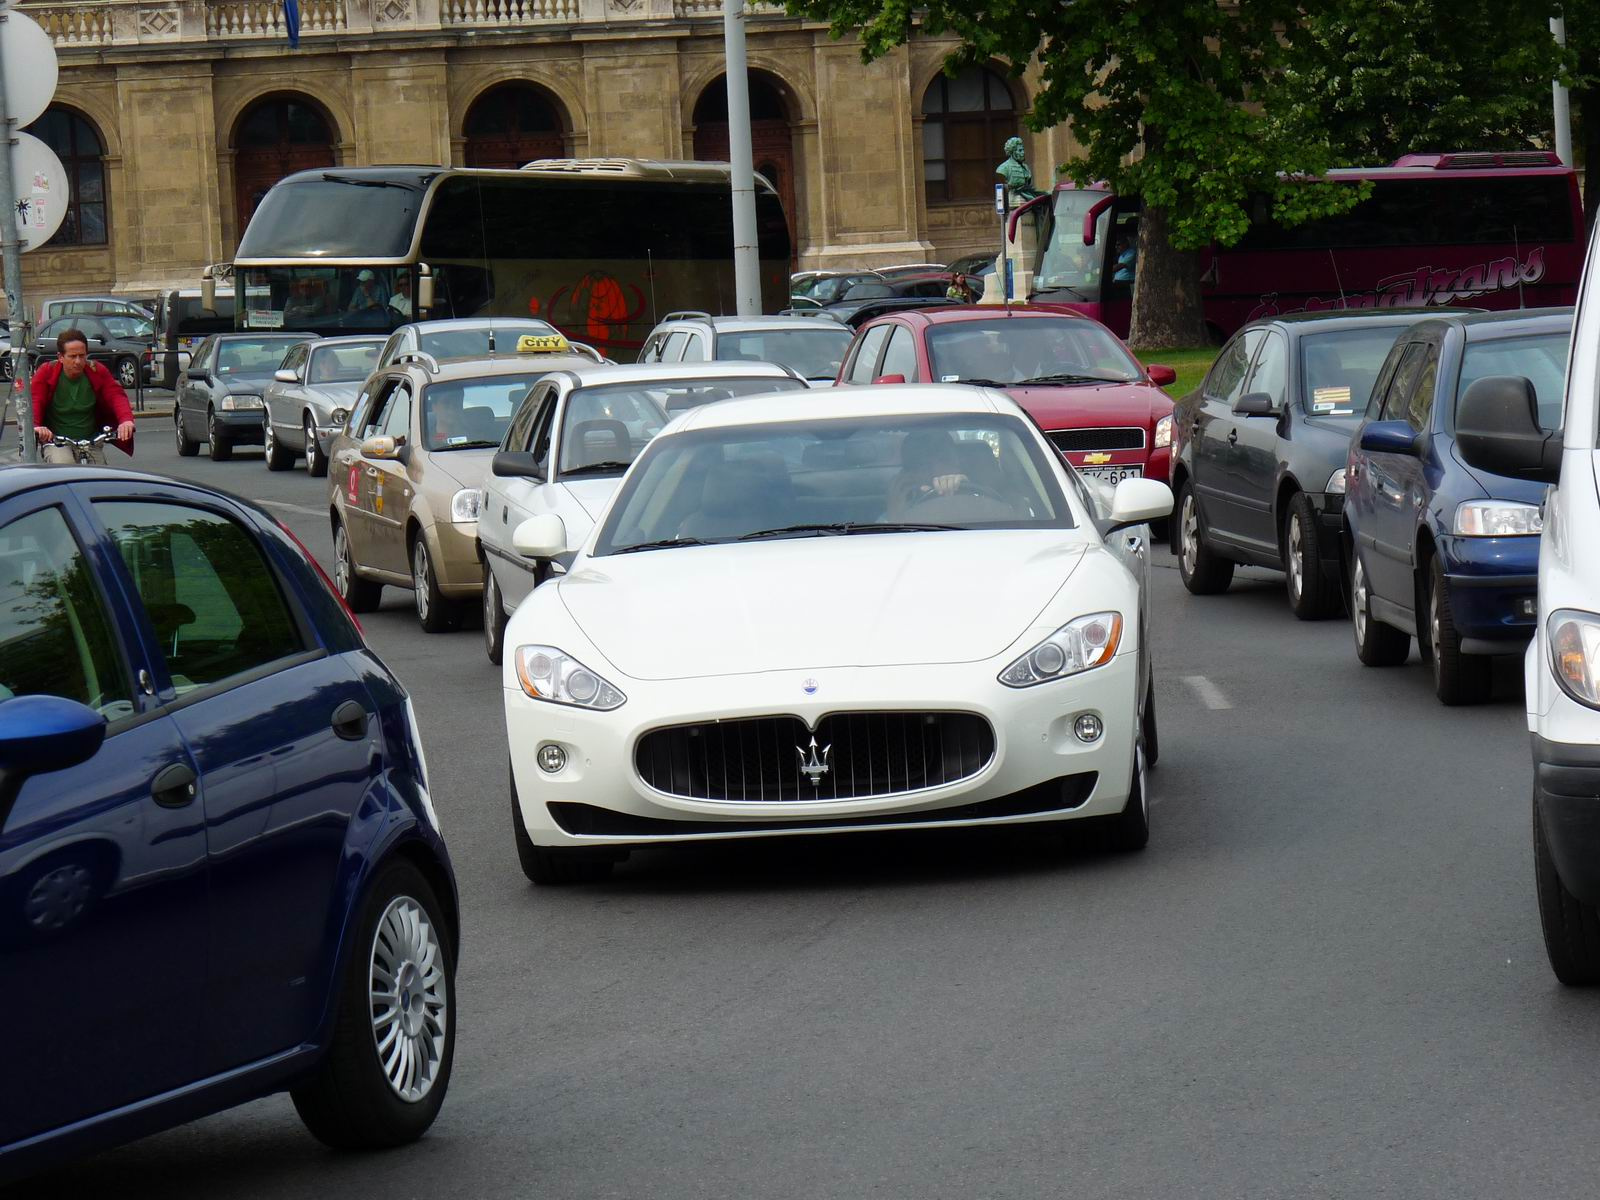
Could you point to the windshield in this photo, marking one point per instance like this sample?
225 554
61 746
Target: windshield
326 299
1066 261
833 287
1012 350
471 414
343 364
474 342
1337 370
334 218
1541 359
604 428
129 327
815 478
810 353
252 356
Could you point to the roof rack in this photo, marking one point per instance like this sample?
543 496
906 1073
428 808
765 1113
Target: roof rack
1479 160
421 357
687 314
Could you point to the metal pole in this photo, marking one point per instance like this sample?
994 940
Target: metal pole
1563 111
746 264
11 262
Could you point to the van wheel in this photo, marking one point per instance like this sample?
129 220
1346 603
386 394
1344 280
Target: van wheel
386 1072
1377 644
1457 678
1571 927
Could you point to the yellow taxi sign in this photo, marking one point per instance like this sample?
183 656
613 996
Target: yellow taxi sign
542 343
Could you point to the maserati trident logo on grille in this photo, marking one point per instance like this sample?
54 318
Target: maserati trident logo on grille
816 766
1096 459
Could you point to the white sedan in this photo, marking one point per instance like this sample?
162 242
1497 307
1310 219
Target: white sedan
859 609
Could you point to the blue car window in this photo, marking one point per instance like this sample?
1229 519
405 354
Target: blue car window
213 601
1420 405
1398 396
55 637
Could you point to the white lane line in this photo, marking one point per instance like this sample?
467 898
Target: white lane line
299 508
1210 694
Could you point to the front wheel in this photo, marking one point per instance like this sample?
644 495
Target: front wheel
386 1072
1457 678
435 611
221 447
1571 927
546 865
1377 644
316 459
1129 830
1203 571
187 446
494 618
279 457
1313 593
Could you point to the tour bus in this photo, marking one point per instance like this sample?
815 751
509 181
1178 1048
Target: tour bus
1491 230
601 248
182 322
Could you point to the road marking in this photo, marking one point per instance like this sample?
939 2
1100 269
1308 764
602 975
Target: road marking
299 508
1210 694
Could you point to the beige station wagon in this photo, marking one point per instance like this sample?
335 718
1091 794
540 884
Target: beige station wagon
406 472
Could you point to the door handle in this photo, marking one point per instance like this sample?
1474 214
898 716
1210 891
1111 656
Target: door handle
1134 544
350 721
1233 437
174 786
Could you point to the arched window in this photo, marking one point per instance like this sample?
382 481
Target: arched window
513 124
965 124
77 144
275 137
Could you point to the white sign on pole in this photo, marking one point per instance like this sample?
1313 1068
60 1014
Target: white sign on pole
41 186
28 59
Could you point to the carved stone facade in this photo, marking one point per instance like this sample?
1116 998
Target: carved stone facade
170 87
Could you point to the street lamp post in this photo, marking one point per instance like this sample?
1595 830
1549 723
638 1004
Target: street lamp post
746 266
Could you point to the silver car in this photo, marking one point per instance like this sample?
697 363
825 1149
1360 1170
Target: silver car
315 381
470 337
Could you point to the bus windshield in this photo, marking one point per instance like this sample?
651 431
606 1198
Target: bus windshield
1066 262
335 217
325 299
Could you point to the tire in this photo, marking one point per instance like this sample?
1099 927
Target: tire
1313 594
1129 830
360 595
221 449
316 460
436 612
494 618
1377 644
278 457
128 372
1147 726
1203 571
352 1102
1457 678
187 446
552 865
1571 927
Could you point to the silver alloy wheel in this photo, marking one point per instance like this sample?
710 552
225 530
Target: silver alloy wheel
1294 566
1144 783
269 440
128 373
211 428
1190 520
1358 600
177 426
419 576
343 571
491 605
311 445
58 897
1433 628
409 1002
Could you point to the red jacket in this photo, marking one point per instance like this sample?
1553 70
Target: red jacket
111 405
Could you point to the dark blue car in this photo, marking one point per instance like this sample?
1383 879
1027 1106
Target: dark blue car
220 872
1438 550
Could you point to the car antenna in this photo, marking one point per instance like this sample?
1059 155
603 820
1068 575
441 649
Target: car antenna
1336 278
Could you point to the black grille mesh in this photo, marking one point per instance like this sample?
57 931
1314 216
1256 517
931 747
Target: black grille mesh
1097 439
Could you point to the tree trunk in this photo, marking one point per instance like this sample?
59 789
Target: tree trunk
1166 291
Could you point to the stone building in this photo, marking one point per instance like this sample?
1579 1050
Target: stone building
173 117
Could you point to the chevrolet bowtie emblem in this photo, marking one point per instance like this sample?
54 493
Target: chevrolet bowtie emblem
817 766
1094 460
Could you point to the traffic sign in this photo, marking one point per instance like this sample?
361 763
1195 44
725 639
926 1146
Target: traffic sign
28 58
41 186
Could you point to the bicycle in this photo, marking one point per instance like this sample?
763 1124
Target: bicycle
80 447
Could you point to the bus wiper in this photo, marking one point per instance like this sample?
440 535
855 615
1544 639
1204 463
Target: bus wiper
664 544
1071 377
330 177
823 529
599 468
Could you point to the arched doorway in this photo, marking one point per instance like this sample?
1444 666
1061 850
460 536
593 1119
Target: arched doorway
771 138
512 124
275 137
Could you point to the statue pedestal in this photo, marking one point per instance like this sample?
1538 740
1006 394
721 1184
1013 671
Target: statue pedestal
1021 251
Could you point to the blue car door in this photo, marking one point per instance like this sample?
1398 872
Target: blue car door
1384 492
284 736
103 932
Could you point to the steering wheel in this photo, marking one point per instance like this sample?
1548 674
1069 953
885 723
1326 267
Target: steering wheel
967 488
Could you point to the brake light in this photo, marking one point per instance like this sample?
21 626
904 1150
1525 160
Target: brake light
322 575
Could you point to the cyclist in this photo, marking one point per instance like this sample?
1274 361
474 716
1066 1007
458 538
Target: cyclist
76 398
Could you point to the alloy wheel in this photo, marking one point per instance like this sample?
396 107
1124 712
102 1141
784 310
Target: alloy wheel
1433 631
1358 600
128 373
419 577
270 441
343 573
177 428
311 445
211 428
1293 565
409 1003
491 606
1190 521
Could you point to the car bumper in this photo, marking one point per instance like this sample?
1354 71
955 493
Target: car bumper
1039 769
1493 586
241 425
1567 791
455 558
1329 507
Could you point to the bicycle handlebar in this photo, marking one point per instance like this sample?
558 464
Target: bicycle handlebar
105 435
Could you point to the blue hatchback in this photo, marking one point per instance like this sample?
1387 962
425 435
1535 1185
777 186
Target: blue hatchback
220 871
1439 550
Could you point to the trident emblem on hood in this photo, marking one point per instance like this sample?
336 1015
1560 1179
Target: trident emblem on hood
816 766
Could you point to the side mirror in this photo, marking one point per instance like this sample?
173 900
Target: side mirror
1389 437
1137 501
99 339
1498 430
515 464
379 446
1161 376
1255 404
283 376
890 379
47 733
542 536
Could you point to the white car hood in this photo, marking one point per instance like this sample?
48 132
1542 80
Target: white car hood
808 603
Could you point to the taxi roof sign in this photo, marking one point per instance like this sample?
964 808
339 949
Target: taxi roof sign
542 343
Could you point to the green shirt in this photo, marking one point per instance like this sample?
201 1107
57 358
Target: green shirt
71 411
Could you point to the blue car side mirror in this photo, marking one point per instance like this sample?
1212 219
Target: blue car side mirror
1389 437
47 733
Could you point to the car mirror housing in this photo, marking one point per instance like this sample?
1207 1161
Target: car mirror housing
1137 501
283 376
40 734
1255 404
1161 376
1389 437
515 464
541 536
379 446
1498 430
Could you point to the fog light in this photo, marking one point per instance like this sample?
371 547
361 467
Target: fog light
1088 728
551 758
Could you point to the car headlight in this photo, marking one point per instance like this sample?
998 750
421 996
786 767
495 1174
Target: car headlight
1575 654
549 674
231 403
1335 483
1163 432
1498 518
464 504
1079 645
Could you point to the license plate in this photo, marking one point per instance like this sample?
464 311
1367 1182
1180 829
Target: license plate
1113 475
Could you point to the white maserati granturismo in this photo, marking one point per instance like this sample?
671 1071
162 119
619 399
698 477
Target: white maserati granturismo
858 609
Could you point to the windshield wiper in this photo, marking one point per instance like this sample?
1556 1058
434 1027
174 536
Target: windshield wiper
843 528
465 446
1071 377
599 468
976 382
664 544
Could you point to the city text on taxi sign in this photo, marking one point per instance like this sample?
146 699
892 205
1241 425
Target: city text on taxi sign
542 343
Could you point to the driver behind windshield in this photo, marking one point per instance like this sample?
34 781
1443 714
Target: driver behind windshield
929 466
445 420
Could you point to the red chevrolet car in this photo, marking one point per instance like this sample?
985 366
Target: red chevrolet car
1101 407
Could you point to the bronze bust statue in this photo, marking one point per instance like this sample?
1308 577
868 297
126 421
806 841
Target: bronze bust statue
1015 172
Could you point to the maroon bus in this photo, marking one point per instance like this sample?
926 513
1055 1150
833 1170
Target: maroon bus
1490 230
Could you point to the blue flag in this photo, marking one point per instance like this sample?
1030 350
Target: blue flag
291 22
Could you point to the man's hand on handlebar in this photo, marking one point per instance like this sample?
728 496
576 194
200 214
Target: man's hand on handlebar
41 434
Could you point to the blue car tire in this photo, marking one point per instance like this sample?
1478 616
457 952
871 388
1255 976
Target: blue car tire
1457 678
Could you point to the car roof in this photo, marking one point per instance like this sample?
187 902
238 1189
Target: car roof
944 315
500 364
669 372
1357 318
1491 326
25 477
833 403
265 335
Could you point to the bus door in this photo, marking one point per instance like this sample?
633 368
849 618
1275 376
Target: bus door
1118 243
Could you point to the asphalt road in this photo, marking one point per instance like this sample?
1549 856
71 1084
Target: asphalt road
1323 978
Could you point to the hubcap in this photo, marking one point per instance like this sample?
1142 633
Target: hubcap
272 440
211 429
177 428
1190 532
491 607
1294 558
410 1009
341 562
1433 626
419 577
311 445
58 897
1358 602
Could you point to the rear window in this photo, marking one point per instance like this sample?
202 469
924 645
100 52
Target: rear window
810 353
1541 359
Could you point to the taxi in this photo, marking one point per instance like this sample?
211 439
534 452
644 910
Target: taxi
406 473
